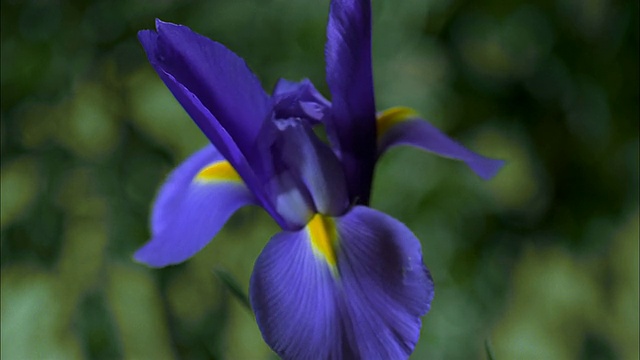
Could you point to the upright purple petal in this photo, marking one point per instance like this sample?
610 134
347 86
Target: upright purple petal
193 204
193 105
169 60
350 78
421 134
358 296
219 78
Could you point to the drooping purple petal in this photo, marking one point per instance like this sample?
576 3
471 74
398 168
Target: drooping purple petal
294 299
351 128
369 308
190 209
166 61
421 134
387 287
299 100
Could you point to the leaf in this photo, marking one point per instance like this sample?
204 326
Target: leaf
232 285
489 351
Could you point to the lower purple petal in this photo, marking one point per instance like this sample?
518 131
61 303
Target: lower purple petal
422 134
386 286
188 213
293 297
368 307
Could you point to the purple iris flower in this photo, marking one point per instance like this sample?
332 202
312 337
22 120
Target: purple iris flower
341 281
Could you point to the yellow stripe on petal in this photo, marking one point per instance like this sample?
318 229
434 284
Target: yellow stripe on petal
218 171
391 117
324 238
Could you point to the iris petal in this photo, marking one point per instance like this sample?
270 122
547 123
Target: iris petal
351 128
312 161
370 310
170 60
293 296
401 127
193 204
299 100
302 175
386 286
219 78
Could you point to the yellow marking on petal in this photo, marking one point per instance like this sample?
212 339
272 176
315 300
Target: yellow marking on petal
390 117
218 171
324 238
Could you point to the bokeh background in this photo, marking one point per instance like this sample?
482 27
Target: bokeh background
542 261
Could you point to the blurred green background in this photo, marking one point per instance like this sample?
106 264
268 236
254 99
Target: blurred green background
542 260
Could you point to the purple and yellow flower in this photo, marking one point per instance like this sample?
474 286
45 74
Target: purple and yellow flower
342 280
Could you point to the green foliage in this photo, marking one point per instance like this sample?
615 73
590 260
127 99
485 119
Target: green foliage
488 350
233 287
